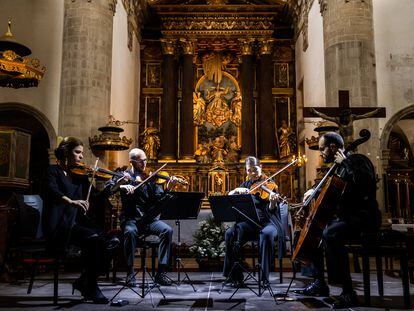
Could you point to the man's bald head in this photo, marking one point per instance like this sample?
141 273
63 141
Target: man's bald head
138 159
135 153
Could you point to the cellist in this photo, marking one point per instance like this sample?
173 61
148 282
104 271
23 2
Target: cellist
244 231
355 211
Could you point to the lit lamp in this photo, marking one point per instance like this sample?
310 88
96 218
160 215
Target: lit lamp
322 128
110 138
16 70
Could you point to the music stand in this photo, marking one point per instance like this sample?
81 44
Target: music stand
182 206
238 208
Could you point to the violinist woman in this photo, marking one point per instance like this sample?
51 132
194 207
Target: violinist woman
136 203
65 220
356 212
244 231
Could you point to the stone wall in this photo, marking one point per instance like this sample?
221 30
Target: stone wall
38 25
310 81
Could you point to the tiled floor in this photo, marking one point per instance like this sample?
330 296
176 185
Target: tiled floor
207 296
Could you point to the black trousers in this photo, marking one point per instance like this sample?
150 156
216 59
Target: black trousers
334 237
158 228
245 231
95 259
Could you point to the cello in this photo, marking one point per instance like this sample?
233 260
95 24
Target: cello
321 212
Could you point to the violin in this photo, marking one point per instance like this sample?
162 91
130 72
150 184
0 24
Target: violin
265 189
81 169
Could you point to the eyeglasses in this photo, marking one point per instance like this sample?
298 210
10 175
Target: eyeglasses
139 161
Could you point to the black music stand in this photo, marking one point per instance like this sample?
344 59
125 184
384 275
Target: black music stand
182 206
238 208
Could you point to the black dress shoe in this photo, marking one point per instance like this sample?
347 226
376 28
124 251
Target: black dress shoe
96 296
80 285
345 300
162 279
317 288
131 281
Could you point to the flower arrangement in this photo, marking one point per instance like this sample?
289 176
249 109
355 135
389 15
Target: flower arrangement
208 241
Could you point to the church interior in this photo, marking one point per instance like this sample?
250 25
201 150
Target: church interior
200 86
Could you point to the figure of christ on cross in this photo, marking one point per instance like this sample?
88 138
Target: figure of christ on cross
344 115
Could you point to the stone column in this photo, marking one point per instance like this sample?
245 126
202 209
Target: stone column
186 108
266 131
169 128
248 113
86 68
350 59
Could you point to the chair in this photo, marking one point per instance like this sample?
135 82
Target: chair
387 243
27 244
145 243
149 242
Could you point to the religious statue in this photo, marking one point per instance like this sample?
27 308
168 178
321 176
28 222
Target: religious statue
218 111
406 154
286 140
234 150
151 141
152 77
199 106
202 153
236 108
345 121
219 153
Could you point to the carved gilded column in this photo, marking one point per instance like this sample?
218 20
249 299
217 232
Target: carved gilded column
266 142
186 108
85 84
169 127
247 85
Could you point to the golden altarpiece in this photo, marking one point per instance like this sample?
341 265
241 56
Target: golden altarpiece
217 86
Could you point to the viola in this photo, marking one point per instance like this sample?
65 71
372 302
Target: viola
265 189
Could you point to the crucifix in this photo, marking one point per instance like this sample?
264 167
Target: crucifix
344 115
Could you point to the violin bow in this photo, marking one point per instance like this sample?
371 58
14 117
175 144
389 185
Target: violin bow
93 177
300 159
150 176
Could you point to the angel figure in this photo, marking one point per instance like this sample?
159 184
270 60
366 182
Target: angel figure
199 106
202 153
234 150
219 153
236 109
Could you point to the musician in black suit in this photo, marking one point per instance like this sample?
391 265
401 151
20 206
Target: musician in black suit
137 204
355 212
271 227
65 219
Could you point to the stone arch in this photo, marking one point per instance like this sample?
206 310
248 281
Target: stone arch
43 137
38 115
385 135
